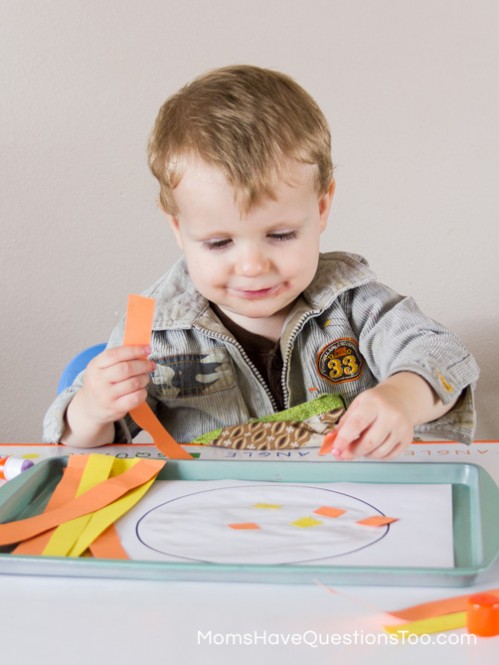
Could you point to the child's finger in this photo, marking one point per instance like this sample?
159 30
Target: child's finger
128 369
391 447
131 400
376 435
352 428
370 444
392 452
118 354
129 385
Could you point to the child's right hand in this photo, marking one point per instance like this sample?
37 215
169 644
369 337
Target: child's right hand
115 382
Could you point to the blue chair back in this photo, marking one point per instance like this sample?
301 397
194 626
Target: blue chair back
77 365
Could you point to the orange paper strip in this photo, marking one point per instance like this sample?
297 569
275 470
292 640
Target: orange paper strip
436 607
99 521
108 545
64 492
145 417
244 525
95 498
139 318
328 443
377 520
329 511
97 469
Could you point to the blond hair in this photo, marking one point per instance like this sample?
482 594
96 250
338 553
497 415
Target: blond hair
247 122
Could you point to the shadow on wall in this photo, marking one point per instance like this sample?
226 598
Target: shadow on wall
482 342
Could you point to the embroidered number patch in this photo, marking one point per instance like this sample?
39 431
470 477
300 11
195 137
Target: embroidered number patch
340 360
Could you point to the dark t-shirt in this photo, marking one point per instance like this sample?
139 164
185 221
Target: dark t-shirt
264 353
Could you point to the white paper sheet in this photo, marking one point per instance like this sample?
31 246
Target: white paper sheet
189 521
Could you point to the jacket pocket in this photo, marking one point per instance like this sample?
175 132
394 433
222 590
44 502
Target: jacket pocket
193 375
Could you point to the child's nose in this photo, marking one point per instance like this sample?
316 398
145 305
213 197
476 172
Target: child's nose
252 262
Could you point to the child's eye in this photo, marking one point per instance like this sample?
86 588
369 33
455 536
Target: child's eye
217 244
287 235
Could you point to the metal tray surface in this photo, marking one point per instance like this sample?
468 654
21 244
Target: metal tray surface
475 504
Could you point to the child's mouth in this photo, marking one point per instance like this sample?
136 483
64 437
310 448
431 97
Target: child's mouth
255 294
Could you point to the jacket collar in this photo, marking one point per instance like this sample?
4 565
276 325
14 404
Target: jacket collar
337 272
181 306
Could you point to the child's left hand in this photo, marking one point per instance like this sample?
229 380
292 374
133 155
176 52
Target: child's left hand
376 425
379 423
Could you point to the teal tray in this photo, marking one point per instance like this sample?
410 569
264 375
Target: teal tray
475 500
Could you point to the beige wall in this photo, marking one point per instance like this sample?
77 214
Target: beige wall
410 89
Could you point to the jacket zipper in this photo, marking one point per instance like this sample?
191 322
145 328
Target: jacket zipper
298 327
241 350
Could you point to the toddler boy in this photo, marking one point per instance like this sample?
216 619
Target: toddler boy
253 319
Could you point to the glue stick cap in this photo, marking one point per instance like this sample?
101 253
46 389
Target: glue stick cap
483 614
10 467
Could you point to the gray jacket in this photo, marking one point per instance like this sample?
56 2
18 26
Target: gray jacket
346 333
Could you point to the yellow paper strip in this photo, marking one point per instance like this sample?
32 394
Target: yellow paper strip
121 465
64 491
425 626
101 519
268 506
97 469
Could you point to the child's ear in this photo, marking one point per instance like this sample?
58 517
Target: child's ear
173 223
325 203
175 227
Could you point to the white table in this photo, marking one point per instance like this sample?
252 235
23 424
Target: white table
47 620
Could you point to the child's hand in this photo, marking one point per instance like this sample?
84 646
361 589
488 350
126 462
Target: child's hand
115 381
377 424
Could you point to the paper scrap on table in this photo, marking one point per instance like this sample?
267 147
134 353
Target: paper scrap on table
435 624
436 607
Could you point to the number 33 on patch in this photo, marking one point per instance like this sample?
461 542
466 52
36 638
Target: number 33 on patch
340 361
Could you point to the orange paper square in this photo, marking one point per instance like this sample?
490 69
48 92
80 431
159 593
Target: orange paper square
329 511
377 520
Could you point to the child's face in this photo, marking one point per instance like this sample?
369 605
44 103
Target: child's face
252 266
